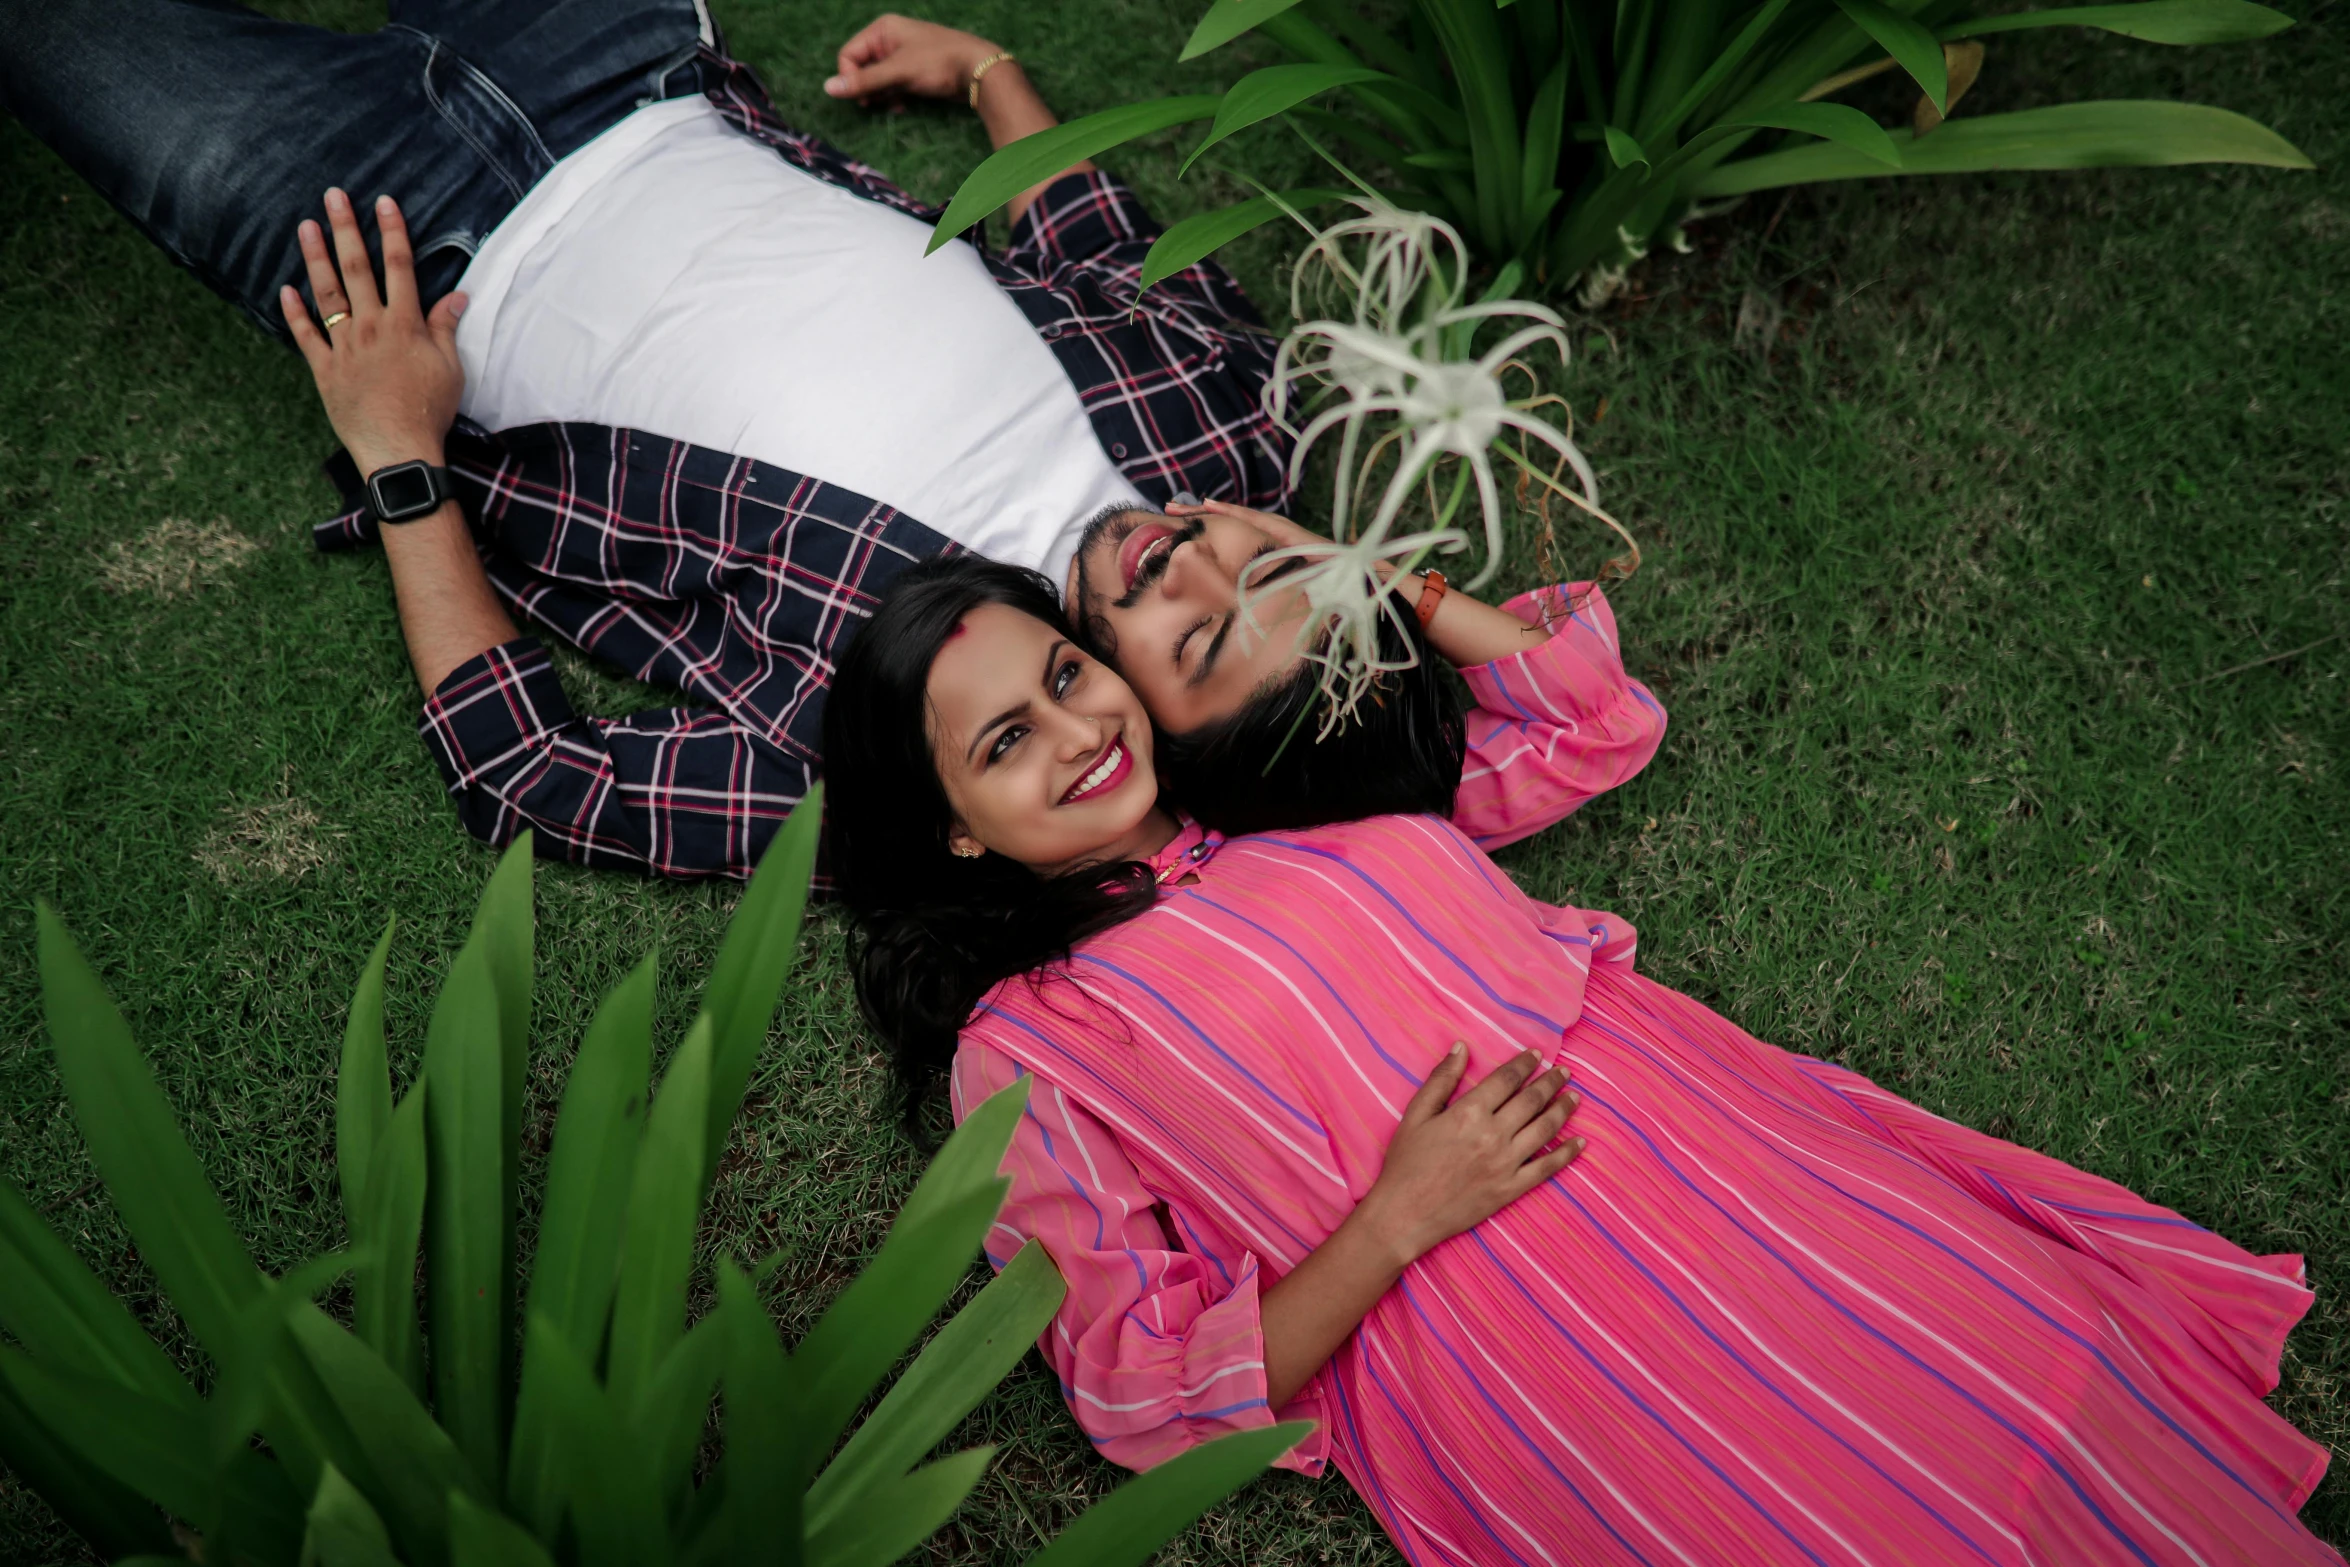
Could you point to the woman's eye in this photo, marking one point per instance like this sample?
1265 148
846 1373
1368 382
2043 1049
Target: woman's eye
1005 741
1064 678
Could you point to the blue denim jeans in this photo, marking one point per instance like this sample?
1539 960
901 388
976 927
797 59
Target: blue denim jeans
216 130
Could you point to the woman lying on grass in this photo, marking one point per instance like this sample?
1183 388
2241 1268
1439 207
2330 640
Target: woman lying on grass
1770 1313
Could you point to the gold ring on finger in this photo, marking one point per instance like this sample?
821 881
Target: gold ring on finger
335 320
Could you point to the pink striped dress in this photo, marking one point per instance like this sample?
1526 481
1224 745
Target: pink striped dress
1773 1314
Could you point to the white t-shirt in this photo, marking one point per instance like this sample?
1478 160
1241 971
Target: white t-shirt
676 277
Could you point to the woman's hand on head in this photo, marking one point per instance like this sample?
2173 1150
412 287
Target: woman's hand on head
895 56
1279 529
1456 1162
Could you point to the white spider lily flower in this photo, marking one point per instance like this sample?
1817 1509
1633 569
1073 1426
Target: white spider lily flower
1349 590
1394 366
1401 250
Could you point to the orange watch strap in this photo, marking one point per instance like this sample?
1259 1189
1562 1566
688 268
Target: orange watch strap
1432 591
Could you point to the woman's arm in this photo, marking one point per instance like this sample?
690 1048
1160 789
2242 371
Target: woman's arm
1167 1339
896 55
1466 631
1453 1164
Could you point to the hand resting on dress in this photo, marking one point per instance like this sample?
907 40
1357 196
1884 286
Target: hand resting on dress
1452 1165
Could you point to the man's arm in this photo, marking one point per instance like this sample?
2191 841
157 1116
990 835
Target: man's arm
896 55
390 379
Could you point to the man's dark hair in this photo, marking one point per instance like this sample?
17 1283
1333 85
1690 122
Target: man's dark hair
1261 769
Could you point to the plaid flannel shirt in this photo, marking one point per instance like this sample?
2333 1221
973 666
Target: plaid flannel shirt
734 581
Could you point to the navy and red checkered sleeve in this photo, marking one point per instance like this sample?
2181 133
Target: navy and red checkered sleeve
684 792
1090 220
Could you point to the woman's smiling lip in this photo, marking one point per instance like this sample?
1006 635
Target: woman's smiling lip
1107 773
1136 545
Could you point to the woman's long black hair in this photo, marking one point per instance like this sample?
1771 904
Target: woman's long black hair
935 931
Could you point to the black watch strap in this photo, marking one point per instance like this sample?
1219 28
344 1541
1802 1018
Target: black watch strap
405 491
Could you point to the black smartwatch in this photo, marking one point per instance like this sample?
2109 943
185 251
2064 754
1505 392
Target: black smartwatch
406 491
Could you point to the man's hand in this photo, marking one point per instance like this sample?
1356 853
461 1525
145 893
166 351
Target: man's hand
896 55
387 373
893 56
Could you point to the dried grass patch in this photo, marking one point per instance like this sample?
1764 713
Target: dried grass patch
274 840
175 558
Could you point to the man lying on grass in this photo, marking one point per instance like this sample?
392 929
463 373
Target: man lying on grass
602 229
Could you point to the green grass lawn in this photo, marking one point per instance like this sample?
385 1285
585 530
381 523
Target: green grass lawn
1996 535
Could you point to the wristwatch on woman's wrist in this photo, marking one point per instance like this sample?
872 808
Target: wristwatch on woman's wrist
405 491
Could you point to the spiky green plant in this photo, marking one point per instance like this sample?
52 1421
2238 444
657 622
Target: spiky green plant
571 1433
1568 136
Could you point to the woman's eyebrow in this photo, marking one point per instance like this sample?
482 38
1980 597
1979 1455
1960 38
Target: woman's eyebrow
1052 656
992 725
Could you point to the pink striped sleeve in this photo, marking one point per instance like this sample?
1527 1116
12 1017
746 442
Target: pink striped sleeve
1555 725
1157 1350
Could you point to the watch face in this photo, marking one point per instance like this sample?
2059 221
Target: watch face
403 491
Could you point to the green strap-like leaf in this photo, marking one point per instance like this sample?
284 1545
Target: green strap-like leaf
469 1209
158 1451
1627 153
383 1285
1546 132
674 1408
259 1515
961 1365
93 1504
1836 122
1227 20
157 1185
1276 89
1136 1519
766 1440
592 1163
1204 233
1033 159
761 945
613 1498
482 1537
1730 59
2110 134
1918 51
392 1449
240 1393
589 1172
969 1159
906 1511
503 929
55 1307
664 1205
877 1318
2153 21
363 1089
342 1529
503 923
151 1447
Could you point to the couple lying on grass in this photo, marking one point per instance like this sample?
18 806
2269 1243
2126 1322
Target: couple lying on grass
1331 1119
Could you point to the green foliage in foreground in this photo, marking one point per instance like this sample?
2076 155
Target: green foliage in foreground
385 1446
1569 135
